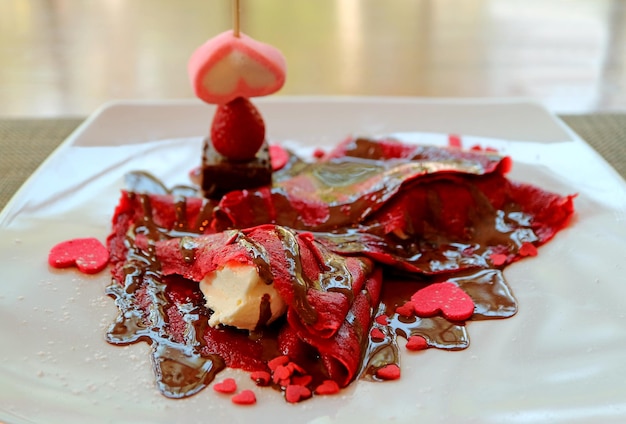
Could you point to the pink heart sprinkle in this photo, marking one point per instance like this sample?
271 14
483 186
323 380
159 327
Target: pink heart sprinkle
328 387
295 393
528 249
229 385
245 397
88 254
416 343
388 372
447 298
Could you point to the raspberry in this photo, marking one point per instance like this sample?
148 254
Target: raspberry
238 130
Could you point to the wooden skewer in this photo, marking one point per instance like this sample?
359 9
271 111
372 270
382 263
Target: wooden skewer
236 18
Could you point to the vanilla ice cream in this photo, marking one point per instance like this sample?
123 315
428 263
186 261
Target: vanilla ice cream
240 298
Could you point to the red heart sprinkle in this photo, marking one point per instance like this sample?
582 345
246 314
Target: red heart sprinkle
282 372
454 141
245 397
388 372
382 319
377 335
498 259
228 385
88 254
276 362
416 343
319 153
295 393
278 157
293 367
405 310
261 378
301 380
447 298
328 387
284 382
528 249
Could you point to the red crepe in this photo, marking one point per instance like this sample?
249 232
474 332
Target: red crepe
340 193
422 209
319 287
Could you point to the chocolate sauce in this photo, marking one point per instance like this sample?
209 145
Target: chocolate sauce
492 299
265 312
184 365
179 366
301 282
143 182
259 258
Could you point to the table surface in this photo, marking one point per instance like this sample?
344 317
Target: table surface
25 143
68 57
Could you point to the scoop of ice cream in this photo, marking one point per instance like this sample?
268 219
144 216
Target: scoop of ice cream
240 298
229 66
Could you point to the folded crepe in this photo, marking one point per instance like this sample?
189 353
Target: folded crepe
418 208
324 230
330 298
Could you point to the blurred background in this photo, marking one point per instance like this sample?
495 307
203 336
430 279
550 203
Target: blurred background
67 57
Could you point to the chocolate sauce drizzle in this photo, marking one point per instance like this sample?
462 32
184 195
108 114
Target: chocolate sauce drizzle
184 367
180 368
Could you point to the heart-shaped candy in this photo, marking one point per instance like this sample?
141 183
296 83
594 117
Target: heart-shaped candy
88 254
245 397
447 298
388 372
227 67
416 343
328 387
228 385
295 393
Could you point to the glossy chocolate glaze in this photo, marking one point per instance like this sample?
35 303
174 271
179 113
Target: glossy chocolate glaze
492 298
184 367
179 367
220 175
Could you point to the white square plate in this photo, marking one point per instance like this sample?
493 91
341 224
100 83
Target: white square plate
560 359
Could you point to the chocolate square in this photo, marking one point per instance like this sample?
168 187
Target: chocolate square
219 175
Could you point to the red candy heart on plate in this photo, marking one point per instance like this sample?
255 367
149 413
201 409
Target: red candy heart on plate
88 254
416 343
295 393
245 397
328 387
228 385
388 372
447 298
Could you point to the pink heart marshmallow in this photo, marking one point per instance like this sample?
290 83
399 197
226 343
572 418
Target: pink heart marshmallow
227 67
